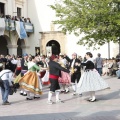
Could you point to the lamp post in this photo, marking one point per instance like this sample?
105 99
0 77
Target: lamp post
119 45
118 56
108 50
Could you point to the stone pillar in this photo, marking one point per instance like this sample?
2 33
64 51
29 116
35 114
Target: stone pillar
12 49
25 49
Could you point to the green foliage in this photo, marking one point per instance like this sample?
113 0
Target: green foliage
99 20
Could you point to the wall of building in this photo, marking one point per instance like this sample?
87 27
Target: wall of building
41 16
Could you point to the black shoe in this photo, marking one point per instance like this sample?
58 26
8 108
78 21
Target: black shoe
92 100
24 94
29 99
66 92
36 97
21 93
118 77
80 95
63 91
6 103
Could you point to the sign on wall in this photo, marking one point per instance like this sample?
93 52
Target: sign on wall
49 51
37 50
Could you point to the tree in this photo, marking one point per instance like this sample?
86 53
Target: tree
99 20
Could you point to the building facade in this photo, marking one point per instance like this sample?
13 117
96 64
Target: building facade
36 42
11 44
45 34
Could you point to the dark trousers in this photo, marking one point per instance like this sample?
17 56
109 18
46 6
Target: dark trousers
99 70
75 76
54 85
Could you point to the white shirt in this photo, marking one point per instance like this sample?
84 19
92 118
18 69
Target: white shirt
73 62
14 61
63 61
7 75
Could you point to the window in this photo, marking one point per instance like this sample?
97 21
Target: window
2 11
18 12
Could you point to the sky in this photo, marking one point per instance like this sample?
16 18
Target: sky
47 15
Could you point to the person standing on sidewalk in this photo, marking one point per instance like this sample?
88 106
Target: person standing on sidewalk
55 72
6 76
99 64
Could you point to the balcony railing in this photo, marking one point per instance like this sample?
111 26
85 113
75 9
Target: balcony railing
10 26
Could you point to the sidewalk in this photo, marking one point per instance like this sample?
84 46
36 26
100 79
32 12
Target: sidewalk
75 108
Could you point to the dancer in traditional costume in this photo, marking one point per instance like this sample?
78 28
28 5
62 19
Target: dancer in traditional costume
91 80
30 81
24 69
18 67
65 79
44 73
75 68
55 72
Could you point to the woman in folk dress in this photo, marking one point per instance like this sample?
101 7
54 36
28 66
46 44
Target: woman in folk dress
30 81
65 78
90 80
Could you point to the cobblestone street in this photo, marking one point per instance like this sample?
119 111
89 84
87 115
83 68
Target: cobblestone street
74 107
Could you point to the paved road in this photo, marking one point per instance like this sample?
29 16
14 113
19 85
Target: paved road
107 106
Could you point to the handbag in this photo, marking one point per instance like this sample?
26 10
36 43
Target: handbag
11 90
1 83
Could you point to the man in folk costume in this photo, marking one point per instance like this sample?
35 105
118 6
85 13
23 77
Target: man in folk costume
55 72
24 69
75 68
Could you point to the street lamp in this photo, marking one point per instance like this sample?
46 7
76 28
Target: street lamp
118 56
119 45
108 50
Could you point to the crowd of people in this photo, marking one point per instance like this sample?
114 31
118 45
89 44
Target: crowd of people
109 67
59 72
16 18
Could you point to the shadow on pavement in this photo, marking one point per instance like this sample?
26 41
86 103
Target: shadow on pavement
109 96
103 115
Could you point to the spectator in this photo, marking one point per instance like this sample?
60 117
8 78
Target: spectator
113 68
6 76
105 69
99 64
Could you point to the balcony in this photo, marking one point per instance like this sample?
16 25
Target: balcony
11 26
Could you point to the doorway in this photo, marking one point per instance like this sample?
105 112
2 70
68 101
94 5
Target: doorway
55 46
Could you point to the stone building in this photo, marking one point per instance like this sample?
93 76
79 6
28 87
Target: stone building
35 42
44 34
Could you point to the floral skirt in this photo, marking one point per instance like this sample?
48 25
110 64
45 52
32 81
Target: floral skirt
65 78
31 82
